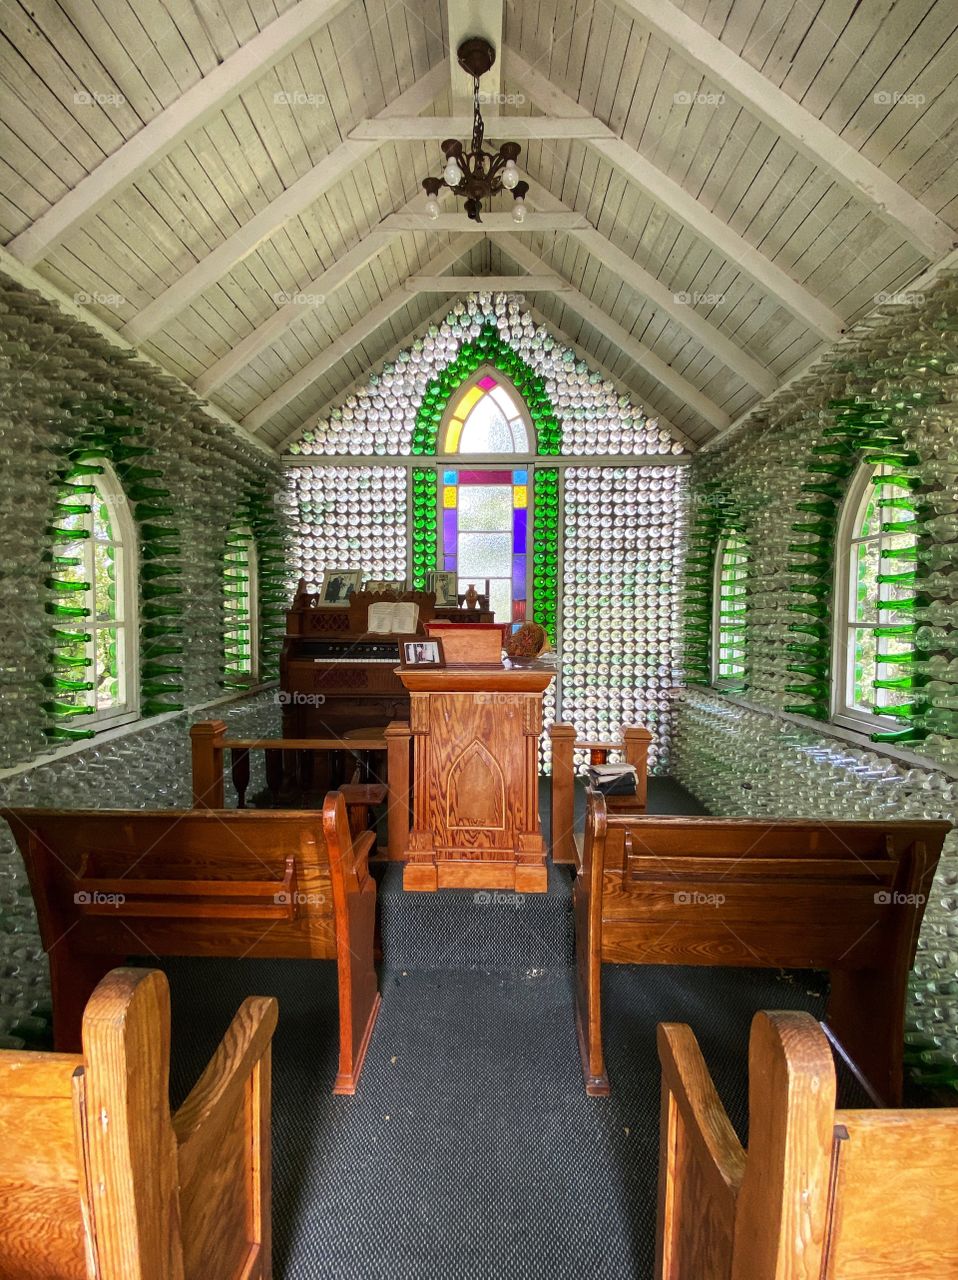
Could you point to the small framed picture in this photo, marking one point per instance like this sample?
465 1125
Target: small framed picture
421 651
446 588
385 584
339 585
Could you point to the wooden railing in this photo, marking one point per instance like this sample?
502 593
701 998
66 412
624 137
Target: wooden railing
289 762
635 749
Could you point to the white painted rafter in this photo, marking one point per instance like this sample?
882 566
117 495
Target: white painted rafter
643 282
295 200
636 351
341 347
189 112
797 126
505 128
771 279
548 283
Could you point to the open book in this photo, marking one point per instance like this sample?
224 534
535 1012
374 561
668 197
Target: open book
393 617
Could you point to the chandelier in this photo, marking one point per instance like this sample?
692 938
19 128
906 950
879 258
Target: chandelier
477 174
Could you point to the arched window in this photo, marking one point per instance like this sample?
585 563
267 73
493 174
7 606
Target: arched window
241 607
484 508
728 612
865 605
95 680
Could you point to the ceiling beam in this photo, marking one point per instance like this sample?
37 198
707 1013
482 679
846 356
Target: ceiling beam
362 379
293 201
549 283
644 283
311 295
636 351
474 18
506 128
451 222
771 279
299 382
797 126
189 112
623 388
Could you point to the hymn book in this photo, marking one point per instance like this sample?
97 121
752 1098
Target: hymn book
393 617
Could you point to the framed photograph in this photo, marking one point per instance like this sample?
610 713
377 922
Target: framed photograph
421 651
339 585
379 585
446 587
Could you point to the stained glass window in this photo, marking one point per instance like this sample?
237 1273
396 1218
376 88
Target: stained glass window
873 601
486 420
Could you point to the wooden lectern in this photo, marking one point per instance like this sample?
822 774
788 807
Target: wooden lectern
475 733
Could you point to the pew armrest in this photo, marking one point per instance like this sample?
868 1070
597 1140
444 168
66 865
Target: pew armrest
222 1132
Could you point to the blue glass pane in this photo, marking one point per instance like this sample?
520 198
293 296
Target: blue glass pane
449 477
520 477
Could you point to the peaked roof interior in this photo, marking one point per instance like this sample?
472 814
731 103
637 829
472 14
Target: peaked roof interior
718 188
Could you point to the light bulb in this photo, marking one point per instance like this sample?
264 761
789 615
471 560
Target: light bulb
519 211
432 208
452 174
510 175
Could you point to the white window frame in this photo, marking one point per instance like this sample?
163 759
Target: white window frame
111 494
842 709
252 565
715 646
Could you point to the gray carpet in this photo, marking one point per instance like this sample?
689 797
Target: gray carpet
471 1151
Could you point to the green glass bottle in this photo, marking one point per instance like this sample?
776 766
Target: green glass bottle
66 709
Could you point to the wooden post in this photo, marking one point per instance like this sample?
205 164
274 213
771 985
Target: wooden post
562 821
207 743
636 741
397 775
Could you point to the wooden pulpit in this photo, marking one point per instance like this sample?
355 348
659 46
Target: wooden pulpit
475 732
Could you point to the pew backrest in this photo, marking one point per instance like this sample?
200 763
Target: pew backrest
99 1182
820 1193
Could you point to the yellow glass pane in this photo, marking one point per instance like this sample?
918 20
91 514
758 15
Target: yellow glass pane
449 495
468 401
520 495
453 432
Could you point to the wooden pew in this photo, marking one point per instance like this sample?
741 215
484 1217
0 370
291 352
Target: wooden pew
565 844
202 882
821 1194
97 1179
794 894
210 747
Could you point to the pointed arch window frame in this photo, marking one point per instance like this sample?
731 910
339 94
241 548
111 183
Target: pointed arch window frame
450 413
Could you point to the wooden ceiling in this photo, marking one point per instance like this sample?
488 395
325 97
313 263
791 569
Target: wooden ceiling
719 187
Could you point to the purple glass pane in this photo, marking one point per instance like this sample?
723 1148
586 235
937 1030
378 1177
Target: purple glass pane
450 522
519 530
518 577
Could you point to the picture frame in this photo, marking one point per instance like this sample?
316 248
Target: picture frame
417 651
446 586
379 585
338 585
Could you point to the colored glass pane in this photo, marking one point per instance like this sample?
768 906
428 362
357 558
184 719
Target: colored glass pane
449 495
